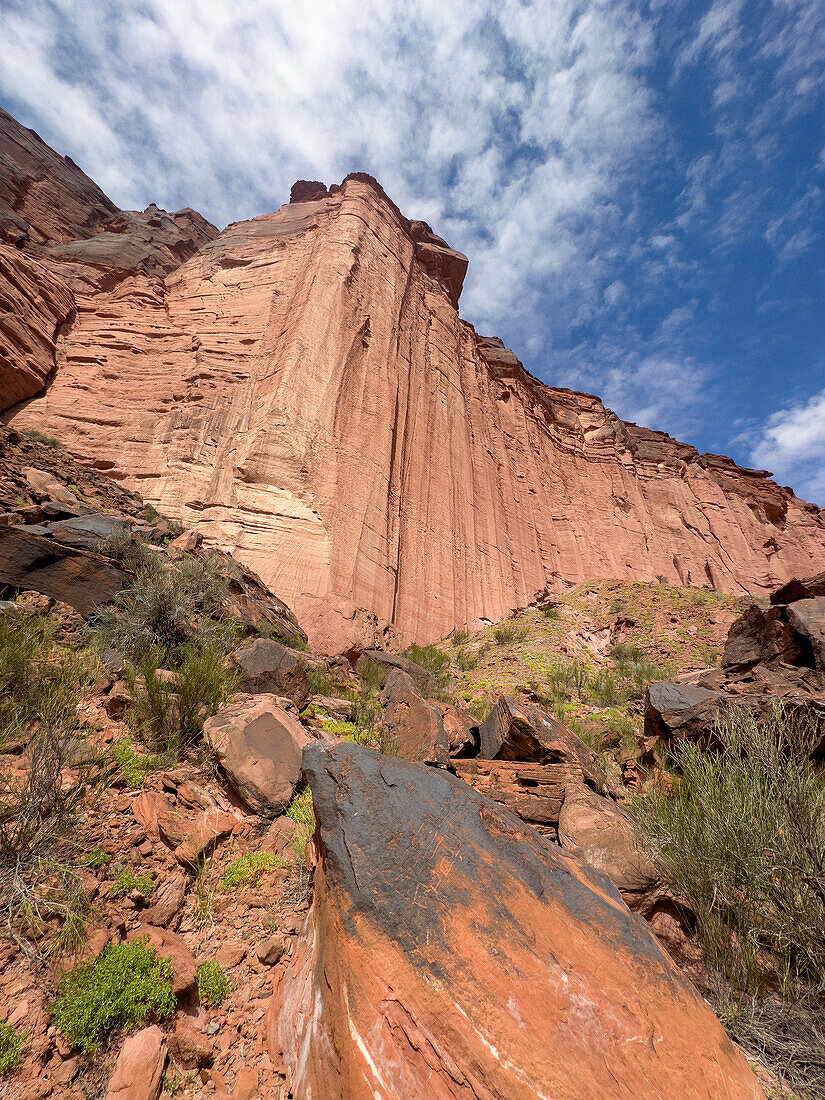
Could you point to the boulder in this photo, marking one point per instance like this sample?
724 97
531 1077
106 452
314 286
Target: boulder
189 1047
807 617
258 744
461 727
451 952
169 945
88 532
267 667
522 731
761 635
420 676
139 1069
48 487
80 579
608 837
674 710
415 728
167 900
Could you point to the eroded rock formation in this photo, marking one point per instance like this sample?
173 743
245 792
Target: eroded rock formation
302 390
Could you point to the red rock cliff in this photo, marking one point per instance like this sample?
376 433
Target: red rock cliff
302 389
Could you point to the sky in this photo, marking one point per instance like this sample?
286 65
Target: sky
639 186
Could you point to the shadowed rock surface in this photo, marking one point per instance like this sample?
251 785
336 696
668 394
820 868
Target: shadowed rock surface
450 952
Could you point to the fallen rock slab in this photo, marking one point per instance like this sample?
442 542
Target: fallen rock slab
82 580
139 1070
258 744
522 731
450 952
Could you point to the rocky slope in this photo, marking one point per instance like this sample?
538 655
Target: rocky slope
302 390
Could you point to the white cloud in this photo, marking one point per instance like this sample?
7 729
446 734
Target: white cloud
792 445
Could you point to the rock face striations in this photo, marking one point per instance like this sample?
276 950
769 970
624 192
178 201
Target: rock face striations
302 390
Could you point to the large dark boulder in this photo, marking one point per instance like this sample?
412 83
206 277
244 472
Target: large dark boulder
807 617
89 532
266 666
523 731
451 953
762 634
78 578
800 590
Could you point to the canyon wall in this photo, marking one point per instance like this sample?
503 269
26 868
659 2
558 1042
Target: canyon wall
302 390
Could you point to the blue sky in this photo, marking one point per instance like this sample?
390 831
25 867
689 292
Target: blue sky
640 187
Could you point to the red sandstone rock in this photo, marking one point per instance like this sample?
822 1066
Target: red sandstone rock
267 667
452 953
258 744
139 1071
415 728
170 946
302 391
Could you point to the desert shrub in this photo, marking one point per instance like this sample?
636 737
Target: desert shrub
249 870
365 712
96 858
150 513
642 672
11 1048
624 651
371 674
566 676
133 766
170 712
127 881
744 837
301 812
213 984
605 688
164 609
479 708
40 437
460 637
430 658
466 659
38 683
511 633
132 551
551 611
788 1038
123 986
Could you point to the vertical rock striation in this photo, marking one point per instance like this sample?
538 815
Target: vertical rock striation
302 390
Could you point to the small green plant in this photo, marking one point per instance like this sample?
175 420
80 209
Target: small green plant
371 674
430 658
301 812
213 984
551 611
134 766
123 986
11 1048
511 633
605 688
460 637
250 869
96 858
127 881
624 652
466 659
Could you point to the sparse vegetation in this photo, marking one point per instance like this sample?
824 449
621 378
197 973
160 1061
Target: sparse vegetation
213 984
35 436
744 837
123 986
301 812
511 633
250 869
460 637
11 1048
134 766
126 881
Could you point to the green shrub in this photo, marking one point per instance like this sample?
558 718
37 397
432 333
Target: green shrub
213 984
123 986
11 1048
134 766
250 869
170 712
744 837
605 688
466 659
460 637
430 658
40 437
301 812
126 881
96 858
623 651
511 633
371 674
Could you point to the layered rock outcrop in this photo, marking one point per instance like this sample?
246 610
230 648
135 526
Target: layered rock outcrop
302 390
451 953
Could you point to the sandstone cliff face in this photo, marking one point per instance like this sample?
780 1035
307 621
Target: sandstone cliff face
303 391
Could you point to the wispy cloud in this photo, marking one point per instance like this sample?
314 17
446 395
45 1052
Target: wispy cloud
600 163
